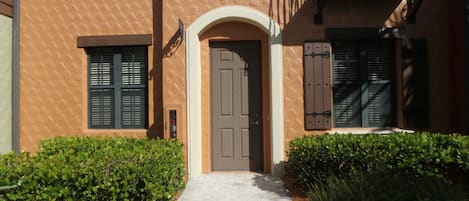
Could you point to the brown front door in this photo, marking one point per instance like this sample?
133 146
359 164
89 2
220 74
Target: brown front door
236 106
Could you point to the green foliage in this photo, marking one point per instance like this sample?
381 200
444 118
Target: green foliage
414 155
376 186
84 168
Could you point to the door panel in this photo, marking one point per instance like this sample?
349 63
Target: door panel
236 106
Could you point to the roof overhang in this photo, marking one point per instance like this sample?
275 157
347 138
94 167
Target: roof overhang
408 8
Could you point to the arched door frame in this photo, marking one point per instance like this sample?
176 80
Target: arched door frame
194 81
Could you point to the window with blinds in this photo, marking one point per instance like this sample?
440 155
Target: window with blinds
117 86
363 77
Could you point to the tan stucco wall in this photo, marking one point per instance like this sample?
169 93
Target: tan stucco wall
53 70
296 19
6 25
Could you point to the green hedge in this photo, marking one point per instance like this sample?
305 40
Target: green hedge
313 158
84 168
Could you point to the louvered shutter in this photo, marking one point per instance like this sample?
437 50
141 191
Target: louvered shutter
317 86
101 108
363 74
347 84
380 68
133 84
101 67
101 93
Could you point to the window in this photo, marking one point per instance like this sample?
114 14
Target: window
117 87
363 79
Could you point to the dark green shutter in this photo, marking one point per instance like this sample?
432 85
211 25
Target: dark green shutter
317 86
101 108
101 67
133 83
346 76
133 108
101 93
380 68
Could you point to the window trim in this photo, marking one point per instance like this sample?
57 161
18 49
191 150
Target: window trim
117 88
114 40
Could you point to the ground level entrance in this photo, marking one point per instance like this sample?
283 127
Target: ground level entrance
236 106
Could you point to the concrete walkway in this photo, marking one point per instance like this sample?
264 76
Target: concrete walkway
242 187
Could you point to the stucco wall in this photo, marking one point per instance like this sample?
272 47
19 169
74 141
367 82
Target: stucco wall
296 19
53 70
6 24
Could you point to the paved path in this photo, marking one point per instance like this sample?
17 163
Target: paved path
236 187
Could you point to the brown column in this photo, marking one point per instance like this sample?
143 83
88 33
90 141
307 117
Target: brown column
458 65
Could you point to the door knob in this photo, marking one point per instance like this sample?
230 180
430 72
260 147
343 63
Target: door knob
256 123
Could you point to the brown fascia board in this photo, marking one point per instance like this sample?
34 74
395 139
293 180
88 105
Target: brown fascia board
6 8
114 40
7 2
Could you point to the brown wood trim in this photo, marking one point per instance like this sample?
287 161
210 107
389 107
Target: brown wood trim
7 2
116 40
6 9
354 33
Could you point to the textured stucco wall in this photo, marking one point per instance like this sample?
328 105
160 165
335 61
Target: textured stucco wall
296 19
53 70
6 24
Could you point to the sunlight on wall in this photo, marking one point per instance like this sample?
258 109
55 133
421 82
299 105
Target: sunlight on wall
397 16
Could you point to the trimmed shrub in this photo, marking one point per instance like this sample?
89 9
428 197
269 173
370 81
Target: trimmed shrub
313 158
85 168
375 186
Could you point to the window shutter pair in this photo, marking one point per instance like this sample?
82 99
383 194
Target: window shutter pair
117 87
318 85
363 82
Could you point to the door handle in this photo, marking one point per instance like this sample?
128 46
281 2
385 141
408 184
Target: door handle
256 123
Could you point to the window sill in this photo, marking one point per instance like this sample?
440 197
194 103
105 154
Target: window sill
116 131
361 131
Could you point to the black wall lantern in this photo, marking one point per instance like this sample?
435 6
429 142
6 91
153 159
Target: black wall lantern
181 29
412 9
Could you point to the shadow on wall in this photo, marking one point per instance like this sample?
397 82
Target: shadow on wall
156 73
173 45
297 16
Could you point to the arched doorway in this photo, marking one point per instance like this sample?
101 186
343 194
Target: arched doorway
194 80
